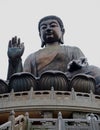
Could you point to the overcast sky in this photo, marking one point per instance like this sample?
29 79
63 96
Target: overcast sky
81 19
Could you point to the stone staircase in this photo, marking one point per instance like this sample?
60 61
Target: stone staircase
24 122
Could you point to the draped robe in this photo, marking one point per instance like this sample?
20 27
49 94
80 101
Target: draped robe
54 57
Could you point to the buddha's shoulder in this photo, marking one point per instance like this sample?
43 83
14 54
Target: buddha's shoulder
69 47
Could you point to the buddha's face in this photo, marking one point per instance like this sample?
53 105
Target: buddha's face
50 31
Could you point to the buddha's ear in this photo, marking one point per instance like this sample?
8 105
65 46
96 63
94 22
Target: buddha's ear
63 30
43 43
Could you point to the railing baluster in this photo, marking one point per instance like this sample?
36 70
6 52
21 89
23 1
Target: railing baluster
60 122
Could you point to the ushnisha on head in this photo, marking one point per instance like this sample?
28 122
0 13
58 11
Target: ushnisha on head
48 18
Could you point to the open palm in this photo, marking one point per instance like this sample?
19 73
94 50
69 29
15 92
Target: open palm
15 48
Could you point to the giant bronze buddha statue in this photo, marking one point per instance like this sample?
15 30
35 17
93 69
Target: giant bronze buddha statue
53 65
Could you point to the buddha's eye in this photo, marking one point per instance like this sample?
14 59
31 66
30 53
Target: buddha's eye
43 27
53 25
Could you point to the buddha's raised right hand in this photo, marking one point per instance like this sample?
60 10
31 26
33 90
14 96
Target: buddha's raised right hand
15 48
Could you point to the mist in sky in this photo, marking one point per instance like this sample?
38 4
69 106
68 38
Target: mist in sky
20 18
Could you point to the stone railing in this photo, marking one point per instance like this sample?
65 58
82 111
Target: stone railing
6 126
18 123
63 124
45 99
26 123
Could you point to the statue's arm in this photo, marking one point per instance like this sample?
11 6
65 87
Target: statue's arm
77 53
15 51
30 65
14 66
27 64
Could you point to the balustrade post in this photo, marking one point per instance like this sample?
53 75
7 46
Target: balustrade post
93 121
73 94
12 119
60 123
92 96
31 93
52 93
11 97
26 120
